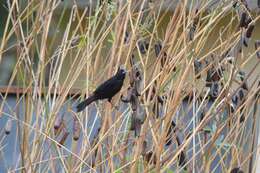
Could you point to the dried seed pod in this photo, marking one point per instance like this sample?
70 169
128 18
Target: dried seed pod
58 124
192 29
197 68
206 130
234 100
168 139
242 118
193 25
233 52
135 74
136 123
234 4
214 90
242 78
245 42
58 121
63 139
249 31
248 21
157 48
138 79
188 135
151 91
247 35
96 136
243 20
138 87
257 47
150 157
164 59
170 132
108 1
58 131
230 59
132 125
236 170
135 102
8 126
214 75
232 108
244 2
127 98
239 97
182 160
144 147
126 38
208 78
143 46
75 41
132 78
191 32
181 156
238 47
202 115
138 126
241 94
76 129
146 45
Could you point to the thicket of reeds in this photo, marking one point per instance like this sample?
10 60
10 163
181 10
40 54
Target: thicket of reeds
178 65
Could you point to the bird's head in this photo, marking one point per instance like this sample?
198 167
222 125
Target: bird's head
121 72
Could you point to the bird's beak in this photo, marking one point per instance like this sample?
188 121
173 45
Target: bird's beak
124 71
123 68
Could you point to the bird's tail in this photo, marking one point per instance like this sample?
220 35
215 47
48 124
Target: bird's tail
81 106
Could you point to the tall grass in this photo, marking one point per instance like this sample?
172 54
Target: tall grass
64 51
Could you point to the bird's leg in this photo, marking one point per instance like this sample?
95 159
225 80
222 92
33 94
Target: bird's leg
112 105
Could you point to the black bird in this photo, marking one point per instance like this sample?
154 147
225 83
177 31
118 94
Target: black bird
106 90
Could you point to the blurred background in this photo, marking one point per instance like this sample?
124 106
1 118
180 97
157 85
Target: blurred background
13 86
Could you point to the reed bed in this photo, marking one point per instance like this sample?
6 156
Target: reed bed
188 104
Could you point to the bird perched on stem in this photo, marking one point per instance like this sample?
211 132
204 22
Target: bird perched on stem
106 90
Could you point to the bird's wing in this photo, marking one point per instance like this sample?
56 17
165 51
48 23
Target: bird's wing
107 86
